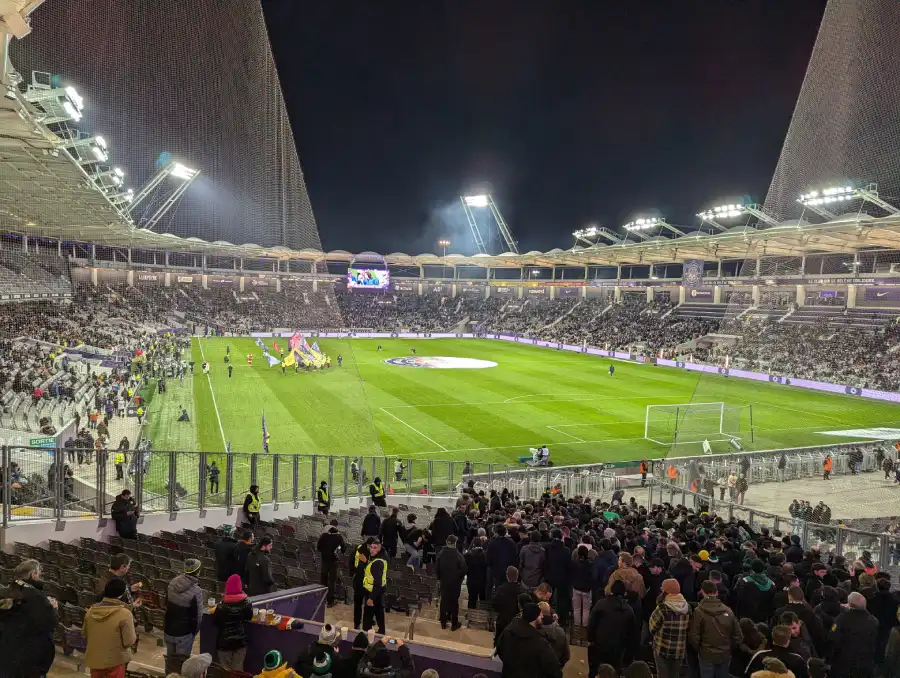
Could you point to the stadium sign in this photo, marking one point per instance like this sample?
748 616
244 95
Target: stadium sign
149 277
441 363
185 279
42 442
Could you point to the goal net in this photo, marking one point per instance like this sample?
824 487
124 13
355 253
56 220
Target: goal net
696 422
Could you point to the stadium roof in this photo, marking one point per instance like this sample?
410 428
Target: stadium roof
44 192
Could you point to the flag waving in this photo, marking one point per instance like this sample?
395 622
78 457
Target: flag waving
275 346
315 347
265 433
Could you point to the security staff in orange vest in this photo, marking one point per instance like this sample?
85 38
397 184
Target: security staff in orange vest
672 473
827 465
643 473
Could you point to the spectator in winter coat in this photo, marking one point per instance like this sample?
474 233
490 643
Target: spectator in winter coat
326 645
524 651
376 661
184 609
441 527
506 601
109 631
626 573
350 661
476 567
391 533
554 634
582 585
229 618
812 625
259 569
371 524
669 625
558 573
854 638
27 622
781 637
754 594
450 570
532 558
612 630
714 633
501 554
884 607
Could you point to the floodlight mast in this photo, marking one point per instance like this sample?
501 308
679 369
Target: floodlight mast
815 199
717 214
591 234
641 226
486 201
181 173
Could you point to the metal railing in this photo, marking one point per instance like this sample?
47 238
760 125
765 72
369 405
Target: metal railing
61 483
836 539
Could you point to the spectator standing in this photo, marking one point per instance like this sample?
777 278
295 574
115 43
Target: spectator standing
854 639
28 619
532 558
331 547
524 651
781 638
251 507
259 569
109 632
450 569
612 630
125 515
229 618
582 585
477 572
554 634
714 632
506 601
501 554
321 653
350 661
184 609
669 625
391 532
371 525
755 594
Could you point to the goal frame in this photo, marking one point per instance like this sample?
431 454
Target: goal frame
713 435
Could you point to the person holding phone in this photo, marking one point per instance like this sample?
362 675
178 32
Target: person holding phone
377 660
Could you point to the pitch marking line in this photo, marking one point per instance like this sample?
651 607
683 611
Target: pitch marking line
213 394
586 442
513 401
413 428
553 428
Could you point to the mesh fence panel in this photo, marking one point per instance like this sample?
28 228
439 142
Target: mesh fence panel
197 81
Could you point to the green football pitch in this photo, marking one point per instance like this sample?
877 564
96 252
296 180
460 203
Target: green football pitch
372 408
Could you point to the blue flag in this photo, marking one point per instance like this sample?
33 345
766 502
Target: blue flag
273 361
315 347
265 432
260 343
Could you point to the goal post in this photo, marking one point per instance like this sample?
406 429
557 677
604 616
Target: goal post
696 422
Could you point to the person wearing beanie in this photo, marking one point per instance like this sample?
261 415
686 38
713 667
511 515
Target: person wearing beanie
376 660
196 666
274 666
350 660
184 610
109 631
229 618
754 594
309 662
612 629
524 651
669 625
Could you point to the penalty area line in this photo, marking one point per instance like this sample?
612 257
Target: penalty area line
413 428
553 428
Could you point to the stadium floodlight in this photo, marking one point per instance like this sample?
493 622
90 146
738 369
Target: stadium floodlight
817 200
179 171
54 104
719 213
445 244
476 200
591 234
643 224
123 198
492 220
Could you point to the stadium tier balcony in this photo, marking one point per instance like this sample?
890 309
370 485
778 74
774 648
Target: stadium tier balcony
704 311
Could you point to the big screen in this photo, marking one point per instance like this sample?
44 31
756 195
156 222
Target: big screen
373 278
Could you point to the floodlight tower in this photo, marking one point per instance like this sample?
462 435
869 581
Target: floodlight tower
717 214
591 235
642 226
484 203
183 177
834 195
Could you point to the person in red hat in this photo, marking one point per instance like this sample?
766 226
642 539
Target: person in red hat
229 618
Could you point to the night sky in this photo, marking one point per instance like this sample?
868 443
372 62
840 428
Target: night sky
572 111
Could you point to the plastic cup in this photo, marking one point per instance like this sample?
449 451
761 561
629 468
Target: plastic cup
345 633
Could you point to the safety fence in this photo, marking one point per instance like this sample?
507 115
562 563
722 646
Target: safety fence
835 539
